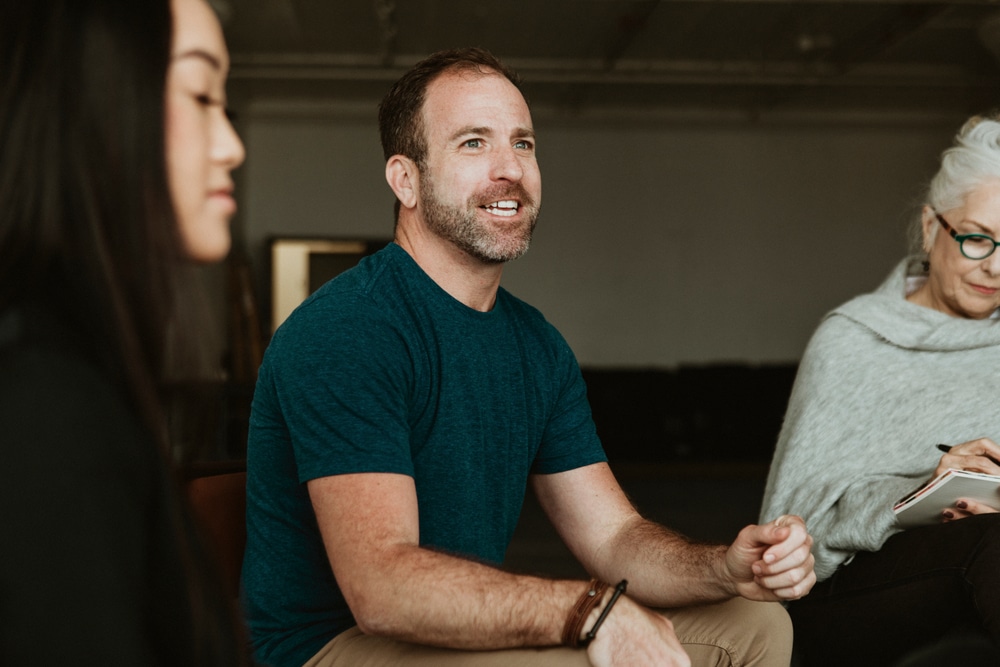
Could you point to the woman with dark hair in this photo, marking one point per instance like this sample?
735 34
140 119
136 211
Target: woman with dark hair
115 161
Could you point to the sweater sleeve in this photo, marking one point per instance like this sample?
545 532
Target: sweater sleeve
833 464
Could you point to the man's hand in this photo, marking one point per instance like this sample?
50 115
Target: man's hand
773 561
633 636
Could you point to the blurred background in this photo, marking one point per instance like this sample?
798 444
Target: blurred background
717 175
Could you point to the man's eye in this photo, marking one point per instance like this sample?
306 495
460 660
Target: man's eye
523 145
473 143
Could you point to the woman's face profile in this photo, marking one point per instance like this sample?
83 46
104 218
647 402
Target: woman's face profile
201 145
956 285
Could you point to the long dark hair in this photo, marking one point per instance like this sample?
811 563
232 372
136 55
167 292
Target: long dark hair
84 201
86 218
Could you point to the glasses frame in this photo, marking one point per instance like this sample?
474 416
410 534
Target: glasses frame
960 238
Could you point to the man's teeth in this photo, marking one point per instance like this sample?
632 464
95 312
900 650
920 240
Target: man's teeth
506 208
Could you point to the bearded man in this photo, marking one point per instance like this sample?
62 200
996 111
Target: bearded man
402 411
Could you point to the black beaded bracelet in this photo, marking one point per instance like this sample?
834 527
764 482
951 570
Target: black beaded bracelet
619 589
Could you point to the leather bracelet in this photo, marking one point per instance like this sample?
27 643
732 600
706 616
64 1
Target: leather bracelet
581 610
619 590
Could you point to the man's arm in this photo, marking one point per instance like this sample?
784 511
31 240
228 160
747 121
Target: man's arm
398 589
395 588
665 569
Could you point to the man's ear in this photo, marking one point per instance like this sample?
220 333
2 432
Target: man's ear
403 177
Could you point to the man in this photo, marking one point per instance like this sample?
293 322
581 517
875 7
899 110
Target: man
402 410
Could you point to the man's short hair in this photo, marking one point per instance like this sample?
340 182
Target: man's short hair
400 120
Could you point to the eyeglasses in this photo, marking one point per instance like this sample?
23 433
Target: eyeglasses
973 246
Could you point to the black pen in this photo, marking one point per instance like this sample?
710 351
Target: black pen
944 448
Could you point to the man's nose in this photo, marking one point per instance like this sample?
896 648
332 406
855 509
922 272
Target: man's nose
507 165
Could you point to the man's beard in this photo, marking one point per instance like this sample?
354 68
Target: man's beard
489 243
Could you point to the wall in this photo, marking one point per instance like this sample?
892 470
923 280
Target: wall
662 241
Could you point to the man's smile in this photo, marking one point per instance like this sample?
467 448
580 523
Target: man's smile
505 207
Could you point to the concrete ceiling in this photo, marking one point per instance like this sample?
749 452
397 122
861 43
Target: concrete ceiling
588 57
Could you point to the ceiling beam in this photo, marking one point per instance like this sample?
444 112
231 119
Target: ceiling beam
359 67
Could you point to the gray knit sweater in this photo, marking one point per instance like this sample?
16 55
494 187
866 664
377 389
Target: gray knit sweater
881 382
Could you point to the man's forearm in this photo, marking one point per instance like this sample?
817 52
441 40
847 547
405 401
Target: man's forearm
428 597
665 568
613 541
396 588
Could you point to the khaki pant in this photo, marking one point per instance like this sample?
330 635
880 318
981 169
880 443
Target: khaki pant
736 633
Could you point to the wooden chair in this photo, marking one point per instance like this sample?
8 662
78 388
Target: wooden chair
219 503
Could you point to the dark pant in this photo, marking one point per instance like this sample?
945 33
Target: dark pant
923 585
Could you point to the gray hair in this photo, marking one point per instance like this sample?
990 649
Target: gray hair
973 158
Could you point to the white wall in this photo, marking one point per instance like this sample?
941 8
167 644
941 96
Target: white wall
661 242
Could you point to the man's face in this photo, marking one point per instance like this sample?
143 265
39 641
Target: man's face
480 187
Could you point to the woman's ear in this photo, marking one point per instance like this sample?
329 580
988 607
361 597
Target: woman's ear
403 177
928 222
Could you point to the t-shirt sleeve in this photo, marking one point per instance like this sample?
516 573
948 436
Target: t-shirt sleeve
339 373
570 438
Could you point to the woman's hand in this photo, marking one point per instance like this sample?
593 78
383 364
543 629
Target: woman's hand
980 455
965 507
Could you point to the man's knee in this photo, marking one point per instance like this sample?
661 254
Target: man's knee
747 633
769 618
769 630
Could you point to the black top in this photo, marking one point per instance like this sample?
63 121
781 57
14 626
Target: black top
90 568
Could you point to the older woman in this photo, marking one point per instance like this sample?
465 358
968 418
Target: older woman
887 377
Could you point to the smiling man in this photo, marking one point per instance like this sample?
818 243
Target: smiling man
402 411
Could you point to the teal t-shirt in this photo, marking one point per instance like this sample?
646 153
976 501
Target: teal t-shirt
383 371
